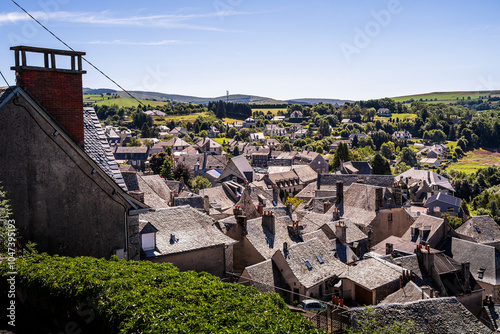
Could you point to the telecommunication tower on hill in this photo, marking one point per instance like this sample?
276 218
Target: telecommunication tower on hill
227 96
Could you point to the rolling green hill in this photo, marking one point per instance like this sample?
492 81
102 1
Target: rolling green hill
446 97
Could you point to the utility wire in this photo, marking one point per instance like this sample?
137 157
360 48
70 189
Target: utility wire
4 79
69 47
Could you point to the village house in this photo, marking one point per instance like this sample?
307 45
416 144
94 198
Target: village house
402 135
285 181
309 269
209 146
370 281
201 163
384 112
295 127
186 238
74 202
428 230
436 182
135 156
271 142
178 130
442 203
296 114
451 278
377 211
249 122
273 130
238 170
177 144
213 132
480 229
258 136
355 167
484 264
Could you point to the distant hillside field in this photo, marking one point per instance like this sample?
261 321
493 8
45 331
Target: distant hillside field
477 159
446 97
121 102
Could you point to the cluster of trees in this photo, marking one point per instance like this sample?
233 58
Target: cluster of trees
162 163
229 109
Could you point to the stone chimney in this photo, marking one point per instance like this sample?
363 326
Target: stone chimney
206 204
58 90
138 195
339 191
341 232
173 196
242 221
336 214
237 211
379 195
389 248
260 208
269 221
396 193
466 275
425 257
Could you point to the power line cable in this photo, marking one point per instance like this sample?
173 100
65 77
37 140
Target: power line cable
4 78
69 47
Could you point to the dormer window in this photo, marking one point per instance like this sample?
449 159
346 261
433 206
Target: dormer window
148 236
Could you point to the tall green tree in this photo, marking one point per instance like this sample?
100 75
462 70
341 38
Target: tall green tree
182 170
324 128
409 157
342 154
199 182
167 169
381 165
157 160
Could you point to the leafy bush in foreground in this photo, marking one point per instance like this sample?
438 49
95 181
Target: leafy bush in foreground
144 297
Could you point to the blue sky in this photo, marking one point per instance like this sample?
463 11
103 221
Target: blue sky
281 49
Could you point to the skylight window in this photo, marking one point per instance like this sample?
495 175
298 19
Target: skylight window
320 260
480 273
309 266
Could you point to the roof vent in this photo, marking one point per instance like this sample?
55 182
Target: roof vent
320 260
173 239
308 264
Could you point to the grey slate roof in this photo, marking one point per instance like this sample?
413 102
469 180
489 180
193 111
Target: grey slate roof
131 149
363 273
481 257
308 250
401 244
359 203
148 184
426 222
440 197
431 177
262 276
358 167
257 235
218 197
409 293
239 167
97 147
481 229
193 230
429 316
305 173
410 262
353 233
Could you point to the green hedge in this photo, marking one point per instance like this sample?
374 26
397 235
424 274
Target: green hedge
144 297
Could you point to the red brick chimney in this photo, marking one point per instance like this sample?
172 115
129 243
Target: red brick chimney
58 90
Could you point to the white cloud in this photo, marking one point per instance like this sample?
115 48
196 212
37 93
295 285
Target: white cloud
169 21
123 42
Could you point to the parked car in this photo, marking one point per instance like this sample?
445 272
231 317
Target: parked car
312 305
